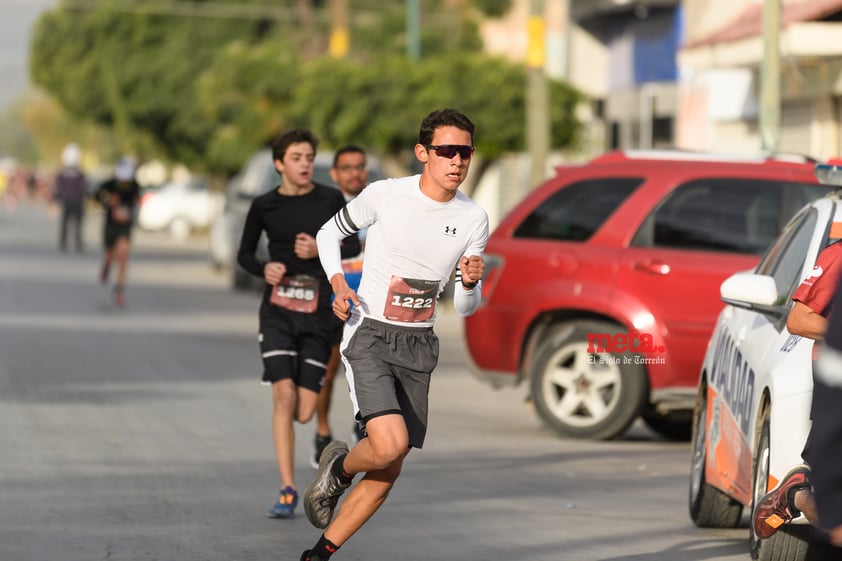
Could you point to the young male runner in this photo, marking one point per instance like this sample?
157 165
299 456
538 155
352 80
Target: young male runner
421 228
119 197
815 488
297 328
826 430
808 317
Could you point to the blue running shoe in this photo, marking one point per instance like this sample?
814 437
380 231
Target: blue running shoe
286 504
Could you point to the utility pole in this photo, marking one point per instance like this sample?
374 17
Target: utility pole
557 16
413 29
537 98
770 76
339 36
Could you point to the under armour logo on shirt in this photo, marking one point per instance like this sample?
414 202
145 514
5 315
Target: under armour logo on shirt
450 230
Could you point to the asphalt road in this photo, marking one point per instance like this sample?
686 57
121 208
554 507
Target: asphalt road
143 434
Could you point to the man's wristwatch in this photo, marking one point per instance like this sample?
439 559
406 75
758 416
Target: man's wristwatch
470 285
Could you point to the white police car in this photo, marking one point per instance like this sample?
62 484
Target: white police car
753 402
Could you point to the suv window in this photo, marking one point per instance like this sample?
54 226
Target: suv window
784 260
576 211
731 215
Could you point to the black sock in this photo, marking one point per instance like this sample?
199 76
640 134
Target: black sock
337 469
323 549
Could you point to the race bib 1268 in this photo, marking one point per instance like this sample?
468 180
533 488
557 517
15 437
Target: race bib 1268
299 293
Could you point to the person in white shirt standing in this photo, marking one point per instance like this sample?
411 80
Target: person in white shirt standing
420 229
71 190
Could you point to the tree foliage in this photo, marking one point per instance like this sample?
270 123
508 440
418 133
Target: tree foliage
134 72
493 8
246 96
208 91
381 106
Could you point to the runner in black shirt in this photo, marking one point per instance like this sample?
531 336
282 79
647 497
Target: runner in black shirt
119 196
297 327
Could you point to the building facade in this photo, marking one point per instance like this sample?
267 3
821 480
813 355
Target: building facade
721 65
687 74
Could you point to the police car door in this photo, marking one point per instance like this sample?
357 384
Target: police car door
746 340
786 374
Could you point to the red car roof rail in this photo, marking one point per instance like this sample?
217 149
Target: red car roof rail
791 157
616 156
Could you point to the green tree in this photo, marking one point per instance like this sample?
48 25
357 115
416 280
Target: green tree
16 138
380 105
245 94
206 91
134 72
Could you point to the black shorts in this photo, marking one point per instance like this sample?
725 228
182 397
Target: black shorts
295 345
825 452
388 369
113 232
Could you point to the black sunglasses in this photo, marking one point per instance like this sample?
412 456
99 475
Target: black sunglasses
450 150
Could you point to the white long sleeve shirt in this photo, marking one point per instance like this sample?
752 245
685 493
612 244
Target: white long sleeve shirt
413 246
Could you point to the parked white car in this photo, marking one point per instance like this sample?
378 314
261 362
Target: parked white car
752 413
179 208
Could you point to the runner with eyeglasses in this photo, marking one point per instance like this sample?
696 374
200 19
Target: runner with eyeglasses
421 229
349 172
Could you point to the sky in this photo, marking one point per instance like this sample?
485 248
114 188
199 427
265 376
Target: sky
15 27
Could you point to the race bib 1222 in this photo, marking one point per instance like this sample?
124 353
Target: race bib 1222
411 300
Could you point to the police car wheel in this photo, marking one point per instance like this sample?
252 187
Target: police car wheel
709 507
792 542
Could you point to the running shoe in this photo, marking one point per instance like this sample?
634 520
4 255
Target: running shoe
322 494
319 444
119 296
286 504
777 507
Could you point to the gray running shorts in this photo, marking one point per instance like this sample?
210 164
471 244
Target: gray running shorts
388 369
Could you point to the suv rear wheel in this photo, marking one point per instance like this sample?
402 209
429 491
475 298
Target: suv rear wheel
582 394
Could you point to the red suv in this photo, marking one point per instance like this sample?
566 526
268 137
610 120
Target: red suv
602 285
